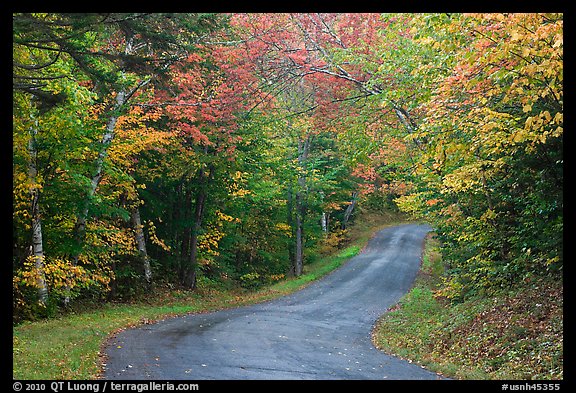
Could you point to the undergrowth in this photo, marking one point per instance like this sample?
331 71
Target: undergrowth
516 333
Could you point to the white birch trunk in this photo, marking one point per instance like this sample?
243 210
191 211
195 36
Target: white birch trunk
37 240
141 244
80 226
324 223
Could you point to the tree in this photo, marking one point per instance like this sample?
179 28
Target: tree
47 109
140 40
492 176
201 108
83 70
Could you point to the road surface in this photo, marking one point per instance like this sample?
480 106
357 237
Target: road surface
320 332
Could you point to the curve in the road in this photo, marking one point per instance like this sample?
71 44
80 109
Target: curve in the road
320 332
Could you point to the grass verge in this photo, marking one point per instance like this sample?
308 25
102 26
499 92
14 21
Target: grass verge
68 347
516 334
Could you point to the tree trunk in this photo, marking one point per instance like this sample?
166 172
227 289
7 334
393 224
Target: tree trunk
190 276
80 225
349 210
324 222
183 213
141 245
299 257
290 221
37 239
201 196
303 150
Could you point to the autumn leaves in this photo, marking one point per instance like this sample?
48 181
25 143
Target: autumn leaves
235 138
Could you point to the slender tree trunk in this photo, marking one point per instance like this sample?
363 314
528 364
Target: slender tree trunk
324 222
37 239
349 210
290 221
80 225
299 256
184 213
303 150
190 277
201 196
141 244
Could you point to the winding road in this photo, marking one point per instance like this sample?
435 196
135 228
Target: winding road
320 332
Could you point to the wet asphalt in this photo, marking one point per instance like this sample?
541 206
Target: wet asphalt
321 332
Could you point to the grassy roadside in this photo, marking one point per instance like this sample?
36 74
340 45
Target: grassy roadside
517 334
69 347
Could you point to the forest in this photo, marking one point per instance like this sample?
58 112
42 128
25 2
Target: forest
178 149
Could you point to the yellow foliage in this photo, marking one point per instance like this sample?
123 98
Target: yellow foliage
21 198
284 228
240 193
60 274
134 135
276 277
103 234
463 179
225 217
154 238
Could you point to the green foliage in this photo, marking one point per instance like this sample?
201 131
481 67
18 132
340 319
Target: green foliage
251 280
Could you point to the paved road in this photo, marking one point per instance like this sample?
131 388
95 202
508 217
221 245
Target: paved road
320 332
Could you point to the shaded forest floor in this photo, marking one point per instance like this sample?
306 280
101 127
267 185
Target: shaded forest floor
514 334
69 346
